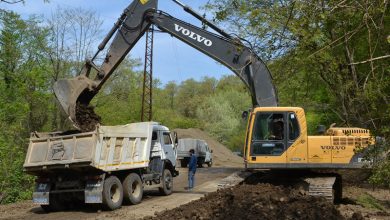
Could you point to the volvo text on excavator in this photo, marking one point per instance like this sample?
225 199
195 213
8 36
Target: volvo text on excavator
276 137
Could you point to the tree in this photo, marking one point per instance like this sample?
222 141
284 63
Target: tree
119 102
23 98
330 57
73 34
188 97
16 1
171 90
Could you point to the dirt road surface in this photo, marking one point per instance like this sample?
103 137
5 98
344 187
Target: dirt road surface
207 180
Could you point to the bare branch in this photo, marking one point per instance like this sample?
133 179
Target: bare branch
350 33
12 2
372 59
338 5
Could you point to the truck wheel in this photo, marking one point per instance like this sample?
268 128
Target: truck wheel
112 193
209 164
46 208
167 183
183 163
133 189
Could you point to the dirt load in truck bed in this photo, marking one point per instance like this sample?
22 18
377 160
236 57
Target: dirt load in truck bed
86 118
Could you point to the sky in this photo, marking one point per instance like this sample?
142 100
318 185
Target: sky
172 60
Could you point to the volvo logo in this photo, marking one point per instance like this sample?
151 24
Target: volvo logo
333 147
193 35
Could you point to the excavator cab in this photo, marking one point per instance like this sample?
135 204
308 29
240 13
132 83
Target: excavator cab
272 131
277 139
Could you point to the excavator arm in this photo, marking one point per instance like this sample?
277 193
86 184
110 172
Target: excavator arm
132 25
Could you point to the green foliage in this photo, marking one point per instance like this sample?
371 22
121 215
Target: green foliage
119 102
221 113
23 97
329 57
369 201
381 155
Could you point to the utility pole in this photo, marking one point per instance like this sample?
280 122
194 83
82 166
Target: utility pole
146 113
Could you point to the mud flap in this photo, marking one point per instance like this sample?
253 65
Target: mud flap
93 191
41 194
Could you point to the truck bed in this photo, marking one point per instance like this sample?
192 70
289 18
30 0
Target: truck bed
187 144
108 148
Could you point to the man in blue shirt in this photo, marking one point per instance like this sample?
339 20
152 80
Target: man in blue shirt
192 169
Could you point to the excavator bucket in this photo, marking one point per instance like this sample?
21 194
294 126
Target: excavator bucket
69 92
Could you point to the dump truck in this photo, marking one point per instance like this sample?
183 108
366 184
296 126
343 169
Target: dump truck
108 166
201 148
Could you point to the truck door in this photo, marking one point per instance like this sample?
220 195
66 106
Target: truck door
168 147
208 153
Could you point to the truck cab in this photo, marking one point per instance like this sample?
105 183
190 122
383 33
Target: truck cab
164 145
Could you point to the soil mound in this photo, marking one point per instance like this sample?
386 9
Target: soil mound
222 156
261 201
86 118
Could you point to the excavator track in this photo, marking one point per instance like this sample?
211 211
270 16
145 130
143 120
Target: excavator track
321 186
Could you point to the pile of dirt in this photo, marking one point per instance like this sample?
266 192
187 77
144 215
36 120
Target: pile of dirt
222 156
260 201
86 118
355 177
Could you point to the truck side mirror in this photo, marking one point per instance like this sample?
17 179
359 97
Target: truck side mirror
174 137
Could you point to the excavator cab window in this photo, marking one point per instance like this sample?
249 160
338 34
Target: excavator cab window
293 127
268 137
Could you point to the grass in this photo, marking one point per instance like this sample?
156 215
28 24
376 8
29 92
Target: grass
369 201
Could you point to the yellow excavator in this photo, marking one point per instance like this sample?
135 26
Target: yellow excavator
276 137
277 140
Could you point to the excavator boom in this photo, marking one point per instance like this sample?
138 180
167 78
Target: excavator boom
132 25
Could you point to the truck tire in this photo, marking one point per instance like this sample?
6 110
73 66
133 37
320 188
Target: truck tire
167 183
112 193
133 189
183 163
210 163
46 208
